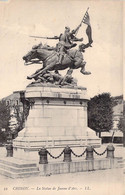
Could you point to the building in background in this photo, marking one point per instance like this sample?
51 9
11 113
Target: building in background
15 105
117 111
13 100
117 114
115 135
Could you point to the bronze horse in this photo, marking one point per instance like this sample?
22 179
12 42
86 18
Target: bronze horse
73 60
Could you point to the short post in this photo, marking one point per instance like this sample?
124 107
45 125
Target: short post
9 148
43 156
67 154
89 153
110 151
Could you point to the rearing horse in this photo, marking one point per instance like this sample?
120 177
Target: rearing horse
73 59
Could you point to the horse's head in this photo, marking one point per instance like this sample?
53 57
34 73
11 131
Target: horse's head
30 55
38 53
82 47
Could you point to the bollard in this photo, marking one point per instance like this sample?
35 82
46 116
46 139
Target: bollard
43 156
9 148
89 153
110 151
67 154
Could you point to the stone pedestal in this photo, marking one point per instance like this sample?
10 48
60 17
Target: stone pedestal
57 118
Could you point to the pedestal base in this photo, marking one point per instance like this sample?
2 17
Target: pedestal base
58 118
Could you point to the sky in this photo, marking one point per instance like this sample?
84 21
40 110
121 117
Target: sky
21 18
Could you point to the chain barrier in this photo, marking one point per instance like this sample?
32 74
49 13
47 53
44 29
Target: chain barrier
78 155
55 157
100 154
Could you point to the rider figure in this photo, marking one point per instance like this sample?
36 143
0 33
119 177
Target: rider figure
66 42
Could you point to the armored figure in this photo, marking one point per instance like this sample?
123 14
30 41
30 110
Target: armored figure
66 42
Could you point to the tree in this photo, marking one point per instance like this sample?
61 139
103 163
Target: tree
4 120
121 125
100 113
13 123
11 120
19 117
16 122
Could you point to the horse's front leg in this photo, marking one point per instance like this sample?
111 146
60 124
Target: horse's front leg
83 69
48 67
33 75
42 71
81 64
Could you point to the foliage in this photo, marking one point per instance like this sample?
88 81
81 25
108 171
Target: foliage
4 120
20 118
4 115
100 112
16 122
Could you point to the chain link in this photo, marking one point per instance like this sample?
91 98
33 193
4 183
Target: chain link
78 155
100 154
55 157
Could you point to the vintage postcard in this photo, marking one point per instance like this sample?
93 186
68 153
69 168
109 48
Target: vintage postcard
55 57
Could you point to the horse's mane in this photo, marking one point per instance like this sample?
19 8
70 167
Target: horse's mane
47 47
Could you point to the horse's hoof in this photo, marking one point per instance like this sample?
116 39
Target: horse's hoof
28 77
86 72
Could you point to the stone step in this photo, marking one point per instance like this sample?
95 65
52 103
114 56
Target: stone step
119 159
17 162
17 170
121 162
18 175
120 166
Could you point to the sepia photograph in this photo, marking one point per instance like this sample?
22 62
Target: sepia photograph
62 97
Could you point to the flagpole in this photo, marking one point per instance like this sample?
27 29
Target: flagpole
82 21
85 15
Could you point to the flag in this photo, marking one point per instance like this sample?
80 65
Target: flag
86 20
89 34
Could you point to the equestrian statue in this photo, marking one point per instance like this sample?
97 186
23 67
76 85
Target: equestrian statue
61 57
